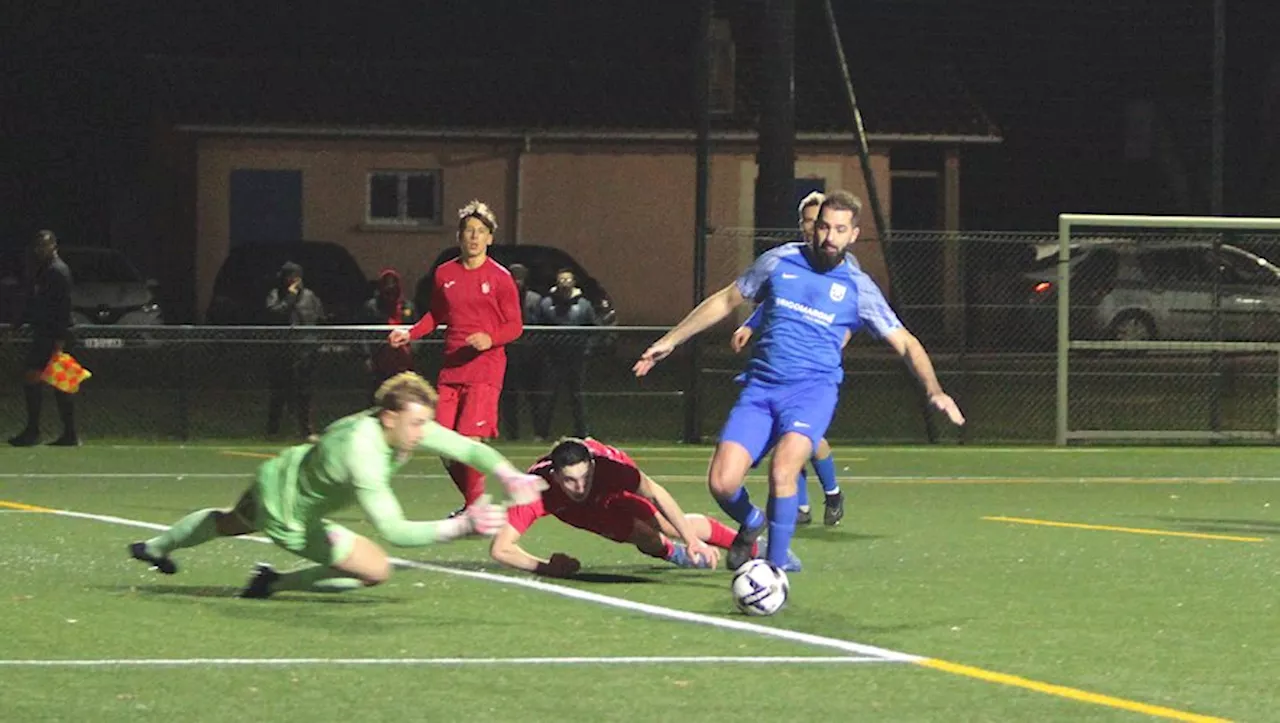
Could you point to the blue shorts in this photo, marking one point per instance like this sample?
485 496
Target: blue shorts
765 412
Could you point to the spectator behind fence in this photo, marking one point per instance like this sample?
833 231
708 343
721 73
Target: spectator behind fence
524 363
566 352
48 312
388 306
291 362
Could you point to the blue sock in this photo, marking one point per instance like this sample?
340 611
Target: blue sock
782 525
826 469
739 508
679 556
802 489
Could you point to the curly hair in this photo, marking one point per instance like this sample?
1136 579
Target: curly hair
479 210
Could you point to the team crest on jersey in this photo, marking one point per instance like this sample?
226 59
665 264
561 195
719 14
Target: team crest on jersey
837 292
484 288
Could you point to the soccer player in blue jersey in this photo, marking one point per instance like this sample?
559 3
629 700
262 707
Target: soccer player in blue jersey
823 462
812 300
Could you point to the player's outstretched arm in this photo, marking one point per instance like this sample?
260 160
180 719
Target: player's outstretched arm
710 312
917 359
521 487
383 510
505 549
670 509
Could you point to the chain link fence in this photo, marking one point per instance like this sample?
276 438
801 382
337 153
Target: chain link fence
990 329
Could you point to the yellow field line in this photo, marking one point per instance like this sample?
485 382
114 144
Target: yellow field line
25 508
255 455
1063 691
1131 530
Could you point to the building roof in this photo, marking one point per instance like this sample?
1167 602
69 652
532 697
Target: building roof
900 98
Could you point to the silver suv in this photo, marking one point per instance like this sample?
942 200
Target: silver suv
1138 291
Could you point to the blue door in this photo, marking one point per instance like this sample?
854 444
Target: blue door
266 206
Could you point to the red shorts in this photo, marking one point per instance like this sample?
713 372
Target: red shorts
469 409
615 518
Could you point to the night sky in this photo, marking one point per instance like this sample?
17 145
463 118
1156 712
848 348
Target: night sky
1055 77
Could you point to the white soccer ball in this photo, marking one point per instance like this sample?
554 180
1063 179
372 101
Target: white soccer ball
759 588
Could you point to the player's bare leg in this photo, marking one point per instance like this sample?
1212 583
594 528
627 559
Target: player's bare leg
196 528
789 457
708 529
365 566
729 466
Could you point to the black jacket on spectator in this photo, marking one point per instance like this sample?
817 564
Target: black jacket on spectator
48 305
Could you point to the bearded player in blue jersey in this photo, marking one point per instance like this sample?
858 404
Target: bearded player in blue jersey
812 301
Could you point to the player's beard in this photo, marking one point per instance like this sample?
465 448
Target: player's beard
822 261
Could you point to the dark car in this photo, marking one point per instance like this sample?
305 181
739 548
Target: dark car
250 271
107 288
543 262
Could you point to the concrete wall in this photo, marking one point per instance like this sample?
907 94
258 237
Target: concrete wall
625 211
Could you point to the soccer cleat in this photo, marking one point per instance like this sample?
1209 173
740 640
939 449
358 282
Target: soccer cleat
804 517
138 551
259 587
834 511
458 512
744 545
25 438
793 562
66 440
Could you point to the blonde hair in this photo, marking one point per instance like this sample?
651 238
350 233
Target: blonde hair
813 199
402 389
480 210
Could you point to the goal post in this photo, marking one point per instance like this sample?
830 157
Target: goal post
1209 310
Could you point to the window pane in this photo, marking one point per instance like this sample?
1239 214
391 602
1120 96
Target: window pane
383 201
422 197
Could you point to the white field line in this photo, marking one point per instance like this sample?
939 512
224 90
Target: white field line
644 608
231 662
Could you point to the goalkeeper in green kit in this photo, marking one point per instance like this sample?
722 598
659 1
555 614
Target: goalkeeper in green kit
351 463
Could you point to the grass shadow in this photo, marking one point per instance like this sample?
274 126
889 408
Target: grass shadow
230 592
1223 525
821 534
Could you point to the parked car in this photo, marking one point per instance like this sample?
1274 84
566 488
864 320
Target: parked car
1127 290
107 287
543 262
250 271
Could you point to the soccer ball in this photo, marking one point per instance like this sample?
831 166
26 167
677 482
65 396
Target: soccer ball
759 588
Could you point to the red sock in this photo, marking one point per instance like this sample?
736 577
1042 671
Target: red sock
721 536
469 482
667 548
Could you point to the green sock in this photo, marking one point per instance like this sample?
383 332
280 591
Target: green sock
196 528
315 578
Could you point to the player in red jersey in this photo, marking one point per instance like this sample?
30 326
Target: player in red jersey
476 297
598 488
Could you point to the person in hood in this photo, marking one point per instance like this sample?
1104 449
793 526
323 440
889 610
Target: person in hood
566 352
291 363
388 306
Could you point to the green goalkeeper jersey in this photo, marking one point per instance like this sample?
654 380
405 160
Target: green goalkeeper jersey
352 463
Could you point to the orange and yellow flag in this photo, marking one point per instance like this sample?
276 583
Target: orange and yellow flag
64 373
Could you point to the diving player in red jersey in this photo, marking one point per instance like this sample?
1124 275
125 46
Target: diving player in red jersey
476 298
598 488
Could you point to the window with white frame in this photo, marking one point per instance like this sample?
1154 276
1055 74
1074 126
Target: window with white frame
404 198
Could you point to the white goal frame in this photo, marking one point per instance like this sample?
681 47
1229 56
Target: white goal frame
1069 221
